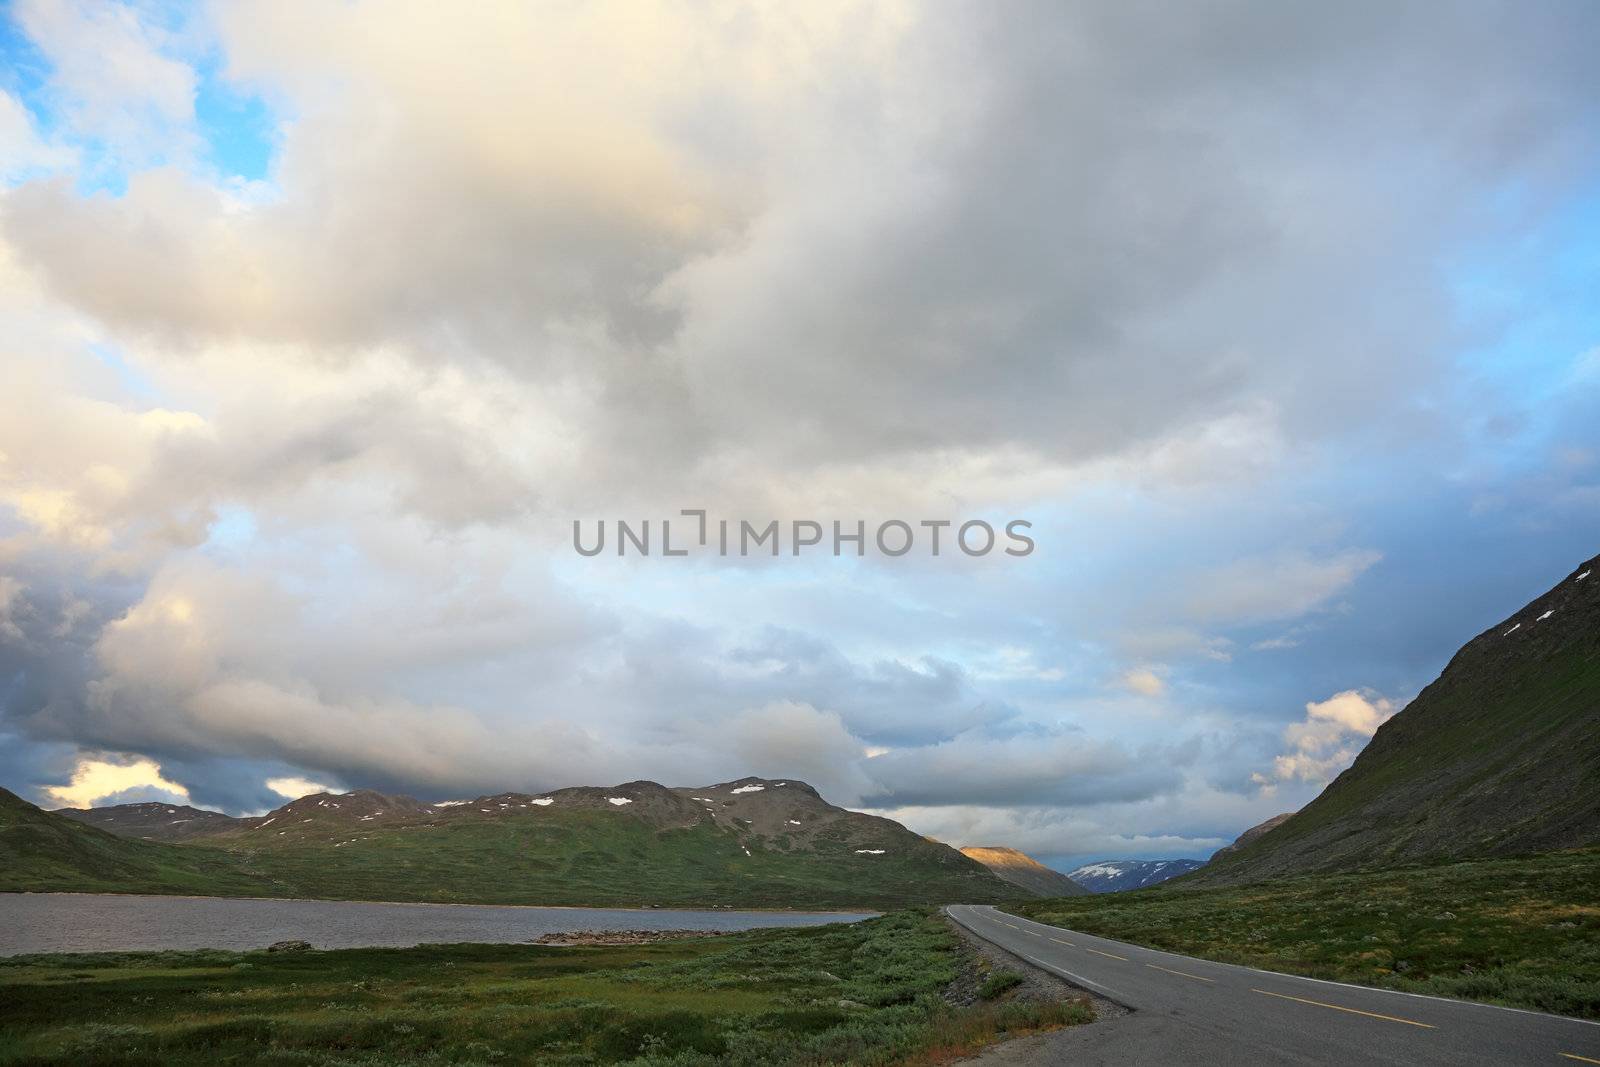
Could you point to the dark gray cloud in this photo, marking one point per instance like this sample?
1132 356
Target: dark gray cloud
1031 769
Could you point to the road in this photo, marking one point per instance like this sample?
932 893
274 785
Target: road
1189 1011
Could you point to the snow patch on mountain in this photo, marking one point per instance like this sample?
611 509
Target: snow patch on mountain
1115 876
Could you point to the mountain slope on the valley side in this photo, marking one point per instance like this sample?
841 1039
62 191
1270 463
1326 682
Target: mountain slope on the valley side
1021 869
43 852
750 843
1499 756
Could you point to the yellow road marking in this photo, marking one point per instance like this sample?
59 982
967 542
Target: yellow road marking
1181 974
1113 955
1575 1056
1058 941
1352 1011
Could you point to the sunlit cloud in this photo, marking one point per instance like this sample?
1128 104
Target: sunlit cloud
288 462
1328 738
295 788
94 780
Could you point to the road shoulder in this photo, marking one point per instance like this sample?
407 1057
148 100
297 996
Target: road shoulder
1037 984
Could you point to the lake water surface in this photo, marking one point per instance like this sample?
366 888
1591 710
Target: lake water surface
86 922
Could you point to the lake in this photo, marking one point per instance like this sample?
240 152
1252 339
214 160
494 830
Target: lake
88 922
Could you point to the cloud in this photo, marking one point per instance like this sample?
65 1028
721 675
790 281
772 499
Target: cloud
97 781
1281 586
295 788
1144 681
11 605
1065 837
23 152
286 469
1328 738
682 262
793 740
1172 640
112 79
1033 767
1275 644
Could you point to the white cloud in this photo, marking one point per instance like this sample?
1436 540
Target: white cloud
294 788
1329 738
1144 681
112 77
23 152
1279 586
672 261
96 779
304 460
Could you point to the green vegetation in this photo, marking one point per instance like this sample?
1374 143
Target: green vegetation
42 852
997 983
542 856
1524 932
868 993
594 859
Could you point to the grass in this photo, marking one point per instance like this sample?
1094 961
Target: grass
1523 932
594 859
997 983
42 853
867 993
590 859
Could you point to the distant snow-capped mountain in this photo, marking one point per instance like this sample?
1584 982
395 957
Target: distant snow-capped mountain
1114 876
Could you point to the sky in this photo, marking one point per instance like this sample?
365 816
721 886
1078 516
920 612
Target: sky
322 324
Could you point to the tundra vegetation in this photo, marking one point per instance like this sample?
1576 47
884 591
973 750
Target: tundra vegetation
868 993
1523 932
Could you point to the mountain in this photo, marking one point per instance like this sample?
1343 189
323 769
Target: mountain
1114 876
1021 869
1251 834
750 843
1500 755
152 822
41 851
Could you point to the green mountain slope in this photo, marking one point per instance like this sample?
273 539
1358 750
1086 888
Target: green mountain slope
44 852
1499 756
750 843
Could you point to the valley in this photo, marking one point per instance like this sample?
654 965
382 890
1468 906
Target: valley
1457 857
871 993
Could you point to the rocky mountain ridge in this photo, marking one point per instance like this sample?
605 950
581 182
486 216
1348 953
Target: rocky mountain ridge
1116 876
751 842
1023 870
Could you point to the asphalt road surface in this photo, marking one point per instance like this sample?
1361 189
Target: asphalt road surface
1189 1011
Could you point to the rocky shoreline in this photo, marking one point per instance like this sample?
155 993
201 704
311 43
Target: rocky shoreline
622 937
